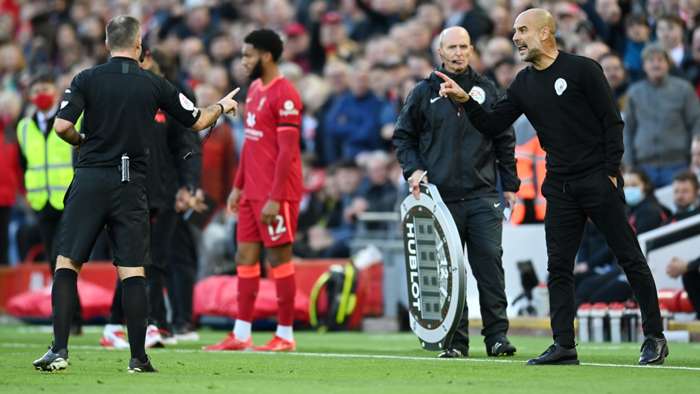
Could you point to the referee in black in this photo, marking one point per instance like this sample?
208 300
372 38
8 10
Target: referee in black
119 101
465 174
570 104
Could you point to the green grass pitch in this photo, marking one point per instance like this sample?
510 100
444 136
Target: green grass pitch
338 363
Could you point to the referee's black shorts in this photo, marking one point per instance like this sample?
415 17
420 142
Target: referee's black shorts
97 199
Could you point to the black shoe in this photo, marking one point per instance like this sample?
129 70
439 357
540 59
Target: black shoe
453 353
52 361
653 351
500 347
136 365
556 355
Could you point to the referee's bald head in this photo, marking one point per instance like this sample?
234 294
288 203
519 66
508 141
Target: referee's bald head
123 33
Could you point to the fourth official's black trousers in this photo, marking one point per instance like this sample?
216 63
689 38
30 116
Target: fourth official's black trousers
479 222
569 204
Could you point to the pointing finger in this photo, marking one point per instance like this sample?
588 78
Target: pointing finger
443 76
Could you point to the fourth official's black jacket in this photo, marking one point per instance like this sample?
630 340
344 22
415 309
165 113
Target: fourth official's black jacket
434 134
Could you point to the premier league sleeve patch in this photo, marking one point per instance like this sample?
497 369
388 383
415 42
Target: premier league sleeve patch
478 94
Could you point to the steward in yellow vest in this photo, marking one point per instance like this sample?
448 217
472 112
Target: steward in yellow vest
47 159
48 164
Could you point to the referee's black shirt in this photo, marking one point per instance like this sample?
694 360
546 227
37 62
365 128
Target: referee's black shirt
571 106
119 101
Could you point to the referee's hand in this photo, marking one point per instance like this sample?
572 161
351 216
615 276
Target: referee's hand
230 105
415 180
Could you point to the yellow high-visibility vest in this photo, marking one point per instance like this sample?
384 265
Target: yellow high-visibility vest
49 164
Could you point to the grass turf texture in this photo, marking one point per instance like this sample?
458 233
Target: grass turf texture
337 363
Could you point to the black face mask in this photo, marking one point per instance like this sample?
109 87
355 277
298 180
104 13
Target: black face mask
257 71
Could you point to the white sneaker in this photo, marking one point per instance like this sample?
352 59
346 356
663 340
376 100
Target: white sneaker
187 336
114 337
153 337
168 337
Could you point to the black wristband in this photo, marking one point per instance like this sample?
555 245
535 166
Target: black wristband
222 108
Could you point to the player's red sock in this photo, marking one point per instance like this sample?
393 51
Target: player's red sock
248 284
286 289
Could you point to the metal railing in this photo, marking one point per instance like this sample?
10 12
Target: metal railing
382 230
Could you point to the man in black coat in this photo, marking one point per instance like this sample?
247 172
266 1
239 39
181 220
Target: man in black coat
434 134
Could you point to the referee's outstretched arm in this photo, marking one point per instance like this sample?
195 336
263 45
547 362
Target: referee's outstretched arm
210 114
66 129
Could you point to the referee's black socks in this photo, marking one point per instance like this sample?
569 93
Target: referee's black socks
64 298
135 305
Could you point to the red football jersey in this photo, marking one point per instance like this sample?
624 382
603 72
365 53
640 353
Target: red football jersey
270 110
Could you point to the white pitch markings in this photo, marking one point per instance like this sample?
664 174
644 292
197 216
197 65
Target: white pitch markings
373 356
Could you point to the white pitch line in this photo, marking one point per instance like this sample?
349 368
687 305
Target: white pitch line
373 356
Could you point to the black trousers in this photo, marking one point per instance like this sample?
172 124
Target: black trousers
480 225
182 274
569 204
691 283
162 229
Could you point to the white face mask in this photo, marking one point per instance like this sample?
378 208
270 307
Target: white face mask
633 195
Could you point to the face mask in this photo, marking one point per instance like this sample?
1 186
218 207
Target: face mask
43 101
633 195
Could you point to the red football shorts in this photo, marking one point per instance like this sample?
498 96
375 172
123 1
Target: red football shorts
281 231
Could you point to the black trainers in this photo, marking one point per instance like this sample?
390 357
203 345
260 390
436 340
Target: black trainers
52 361
653 351
556 355
500 347
453 353
137 366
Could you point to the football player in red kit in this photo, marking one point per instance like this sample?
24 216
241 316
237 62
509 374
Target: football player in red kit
266 191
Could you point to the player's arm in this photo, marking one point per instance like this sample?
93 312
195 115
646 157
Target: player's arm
72 105
288 143
600 97
287 111
490 123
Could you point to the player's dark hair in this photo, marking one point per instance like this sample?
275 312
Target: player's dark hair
265 40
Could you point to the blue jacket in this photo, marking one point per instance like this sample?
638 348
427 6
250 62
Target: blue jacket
354 123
